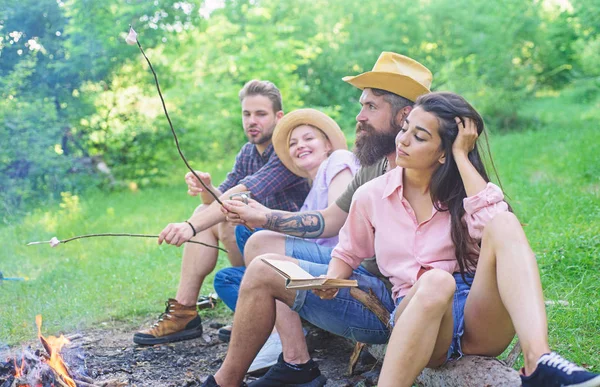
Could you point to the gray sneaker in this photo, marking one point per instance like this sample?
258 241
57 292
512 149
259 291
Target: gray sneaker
268 354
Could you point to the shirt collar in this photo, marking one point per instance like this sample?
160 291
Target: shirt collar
393 182
266 154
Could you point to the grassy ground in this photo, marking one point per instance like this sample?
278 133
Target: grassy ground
550 172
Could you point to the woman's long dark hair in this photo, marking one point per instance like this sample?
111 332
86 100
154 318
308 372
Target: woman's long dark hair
446 186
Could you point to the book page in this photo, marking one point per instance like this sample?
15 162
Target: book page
288 269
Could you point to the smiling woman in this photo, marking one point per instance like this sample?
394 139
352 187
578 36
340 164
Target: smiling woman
312 145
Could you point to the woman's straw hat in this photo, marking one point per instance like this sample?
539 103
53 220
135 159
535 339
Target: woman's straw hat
312 117
397 74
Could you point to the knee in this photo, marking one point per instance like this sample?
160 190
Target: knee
226 233
258 274
259 243
502 225
435 290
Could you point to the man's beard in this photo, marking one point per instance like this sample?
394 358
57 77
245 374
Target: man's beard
373 145
262 138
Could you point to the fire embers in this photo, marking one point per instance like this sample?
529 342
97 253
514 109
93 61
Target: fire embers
29 370
47 367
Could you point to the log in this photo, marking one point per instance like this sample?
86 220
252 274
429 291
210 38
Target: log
469 371
358 348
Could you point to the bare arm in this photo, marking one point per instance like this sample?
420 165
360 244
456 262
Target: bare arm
462 146
308 224
338 185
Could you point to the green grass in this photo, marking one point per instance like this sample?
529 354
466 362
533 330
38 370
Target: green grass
78 284
551 174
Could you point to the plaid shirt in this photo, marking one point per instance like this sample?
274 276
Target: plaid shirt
269 181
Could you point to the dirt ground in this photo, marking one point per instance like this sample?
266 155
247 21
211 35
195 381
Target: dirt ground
108 353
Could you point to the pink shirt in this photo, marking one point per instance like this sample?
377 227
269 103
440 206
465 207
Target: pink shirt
381 223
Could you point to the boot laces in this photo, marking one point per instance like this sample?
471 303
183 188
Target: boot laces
164 315
557 361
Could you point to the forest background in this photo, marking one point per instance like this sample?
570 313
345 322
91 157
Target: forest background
85 146
74 95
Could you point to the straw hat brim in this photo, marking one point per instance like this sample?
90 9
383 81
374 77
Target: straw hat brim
312 117
401 85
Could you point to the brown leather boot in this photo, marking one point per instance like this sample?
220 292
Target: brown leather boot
177 323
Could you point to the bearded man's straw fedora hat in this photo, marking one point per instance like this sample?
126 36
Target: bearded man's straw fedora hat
312 117
397 74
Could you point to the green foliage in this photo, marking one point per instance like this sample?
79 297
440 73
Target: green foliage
97 103
550 173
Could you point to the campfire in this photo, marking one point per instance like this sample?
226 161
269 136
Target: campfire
46 368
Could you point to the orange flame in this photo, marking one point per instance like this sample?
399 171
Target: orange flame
53 345
19 370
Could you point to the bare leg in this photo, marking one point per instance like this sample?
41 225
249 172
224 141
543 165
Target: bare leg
288 323
226 234
199 261
264 242
506 295
253 320
424 330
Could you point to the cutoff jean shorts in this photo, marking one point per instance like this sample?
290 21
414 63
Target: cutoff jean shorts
345 316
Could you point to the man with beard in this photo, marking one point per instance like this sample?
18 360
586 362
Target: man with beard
389 91
257 169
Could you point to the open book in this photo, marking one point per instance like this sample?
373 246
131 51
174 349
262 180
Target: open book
298 279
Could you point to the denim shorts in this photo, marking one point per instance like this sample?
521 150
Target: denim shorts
307 250
458 313
344 315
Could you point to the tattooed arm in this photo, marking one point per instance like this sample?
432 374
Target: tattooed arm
304 224
310 224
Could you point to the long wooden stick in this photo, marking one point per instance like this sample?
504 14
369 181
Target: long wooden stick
162 100
371 302
121 235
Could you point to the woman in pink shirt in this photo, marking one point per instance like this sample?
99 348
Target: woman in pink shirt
464 277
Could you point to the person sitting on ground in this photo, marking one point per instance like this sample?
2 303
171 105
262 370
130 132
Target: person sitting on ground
389 92
439 229
257 169
312 145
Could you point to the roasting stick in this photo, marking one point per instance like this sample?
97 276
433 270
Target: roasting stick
55 241
133 40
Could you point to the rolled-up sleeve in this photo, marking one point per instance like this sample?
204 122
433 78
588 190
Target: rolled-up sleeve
339 161
272 177
481 208
357 236
236 174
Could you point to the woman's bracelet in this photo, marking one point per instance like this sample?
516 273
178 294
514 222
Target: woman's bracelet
193 229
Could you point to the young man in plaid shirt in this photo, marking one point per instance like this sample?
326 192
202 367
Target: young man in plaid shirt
258 170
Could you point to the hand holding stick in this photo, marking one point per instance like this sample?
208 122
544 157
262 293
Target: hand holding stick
55 241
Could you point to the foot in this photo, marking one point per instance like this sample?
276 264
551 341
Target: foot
291 375
268 354
177 323
211 382
225 334
554 371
